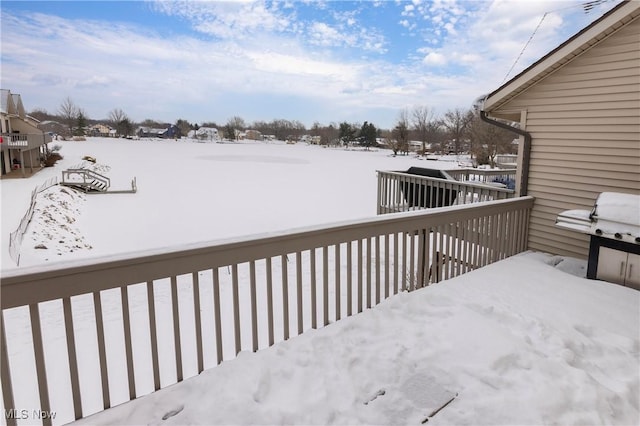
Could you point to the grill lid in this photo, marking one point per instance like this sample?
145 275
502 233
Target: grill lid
614 215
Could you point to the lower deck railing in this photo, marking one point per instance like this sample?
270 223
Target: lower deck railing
80 337
401 192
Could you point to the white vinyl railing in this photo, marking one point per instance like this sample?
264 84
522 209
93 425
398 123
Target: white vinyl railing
401 192
204 303
483 175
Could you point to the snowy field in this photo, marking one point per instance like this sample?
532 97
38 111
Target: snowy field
524 341
190 192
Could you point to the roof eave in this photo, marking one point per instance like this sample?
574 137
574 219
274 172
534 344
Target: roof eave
594 33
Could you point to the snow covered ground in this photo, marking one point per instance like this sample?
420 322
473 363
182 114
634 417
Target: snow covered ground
519 342
523 341
189 191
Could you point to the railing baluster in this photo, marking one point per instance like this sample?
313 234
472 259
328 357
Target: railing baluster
442 253
153 331
460 256
299 292
102 354
379 194
450 255
412 261
359 275
73 360
387 281
404 262
254 305
325 284
377 244
285 295
336 265
41 370
5 373
176 327
396 266
236 308
270 320
368 268
314 289
215 272
421 258
126 328
349 279
198 319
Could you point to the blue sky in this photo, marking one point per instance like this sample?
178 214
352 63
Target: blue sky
324 61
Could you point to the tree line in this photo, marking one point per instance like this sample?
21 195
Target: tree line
456 131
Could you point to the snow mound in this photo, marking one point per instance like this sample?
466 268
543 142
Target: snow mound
53 231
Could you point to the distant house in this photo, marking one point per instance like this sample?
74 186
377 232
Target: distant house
22 143
52 127
578 110
205 134
253 135
100 130
170 132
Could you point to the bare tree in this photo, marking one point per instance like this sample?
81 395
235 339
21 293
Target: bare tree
488 141
423 121
120 121
68 113
401 133
456 122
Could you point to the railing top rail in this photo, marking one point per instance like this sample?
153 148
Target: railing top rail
86 171
41 283
478 185
482 171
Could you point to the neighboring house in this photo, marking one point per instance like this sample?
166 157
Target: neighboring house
253 135
23 144
99 130
205 134
578 109
52 127
170 132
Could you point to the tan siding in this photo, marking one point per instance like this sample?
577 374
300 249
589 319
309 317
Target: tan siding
622 144
562 172
587 191
627 105
577 100
584 120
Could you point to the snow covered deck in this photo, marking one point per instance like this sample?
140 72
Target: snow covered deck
521 341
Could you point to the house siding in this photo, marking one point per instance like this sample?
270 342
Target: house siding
584 120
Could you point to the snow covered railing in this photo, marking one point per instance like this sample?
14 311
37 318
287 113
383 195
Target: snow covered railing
483 175
191 307
401 192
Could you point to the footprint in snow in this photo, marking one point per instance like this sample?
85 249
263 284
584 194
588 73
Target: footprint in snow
173 412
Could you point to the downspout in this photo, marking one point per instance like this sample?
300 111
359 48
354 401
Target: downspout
526 149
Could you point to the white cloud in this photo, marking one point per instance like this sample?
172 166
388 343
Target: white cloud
434 58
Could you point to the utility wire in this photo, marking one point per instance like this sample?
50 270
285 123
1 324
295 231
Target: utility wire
587 7
525 47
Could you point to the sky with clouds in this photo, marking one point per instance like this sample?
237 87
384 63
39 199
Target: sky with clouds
311 61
